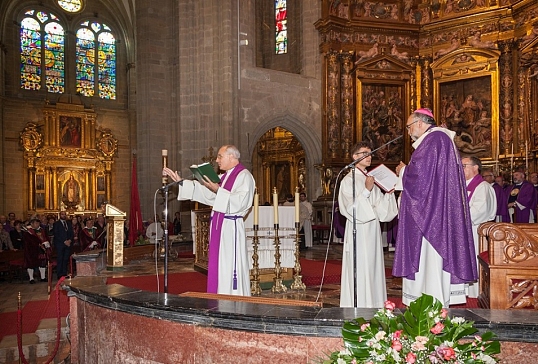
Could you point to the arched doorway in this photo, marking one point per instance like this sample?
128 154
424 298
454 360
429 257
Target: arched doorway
279 162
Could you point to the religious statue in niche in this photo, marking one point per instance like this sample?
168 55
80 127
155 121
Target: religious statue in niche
70 129
71 193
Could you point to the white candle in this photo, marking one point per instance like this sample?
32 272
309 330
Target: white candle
297 204
275 205
164 152
256 206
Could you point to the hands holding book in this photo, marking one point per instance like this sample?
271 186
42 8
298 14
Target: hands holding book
212 186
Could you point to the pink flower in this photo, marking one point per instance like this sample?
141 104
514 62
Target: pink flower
397 334
410 358
365 326
448 353
396 345
437 329
444 313
389 305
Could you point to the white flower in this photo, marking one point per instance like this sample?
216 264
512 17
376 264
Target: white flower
380 335
486 358
458 320
340 361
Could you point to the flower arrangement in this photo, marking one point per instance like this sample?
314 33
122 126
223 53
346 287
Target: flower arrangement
424 334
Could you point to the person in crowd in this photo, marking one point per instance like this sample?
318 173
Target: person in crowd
5 241
502 206
364 206
4 223
77 227
63 239
100 225
228 267
305 215
482 204
16 235
88 236
521 199
154 231
49 228
434 246
290 200
37 249
177 223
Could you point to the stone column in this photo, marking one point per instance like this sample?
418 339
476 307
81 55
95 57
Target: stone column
506 97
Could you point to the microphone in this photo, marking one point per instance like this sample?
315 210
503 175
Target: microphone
172 184
164 154
352 164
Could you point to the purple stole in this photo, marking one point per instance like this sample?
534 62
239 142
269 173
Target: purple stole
473 185
217 218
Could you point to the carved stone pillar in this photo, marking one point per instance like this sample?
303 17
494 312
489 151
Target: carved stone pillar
506 96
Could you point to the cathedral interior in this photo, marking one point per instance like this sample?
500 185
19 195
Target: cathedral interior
294 97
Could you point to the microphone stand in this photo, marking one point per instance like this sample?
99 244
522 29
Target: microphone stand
354 232
166 239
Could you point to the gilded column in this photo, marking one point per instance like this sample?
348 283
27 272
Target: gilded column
49 188
333 127
522 110
55 188
506 97
31 186
346 96
87 182
427 83
413 97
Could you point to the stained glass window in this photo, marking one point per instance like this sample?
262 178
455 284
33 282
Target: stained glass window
42 52
281 21
71 6
96 60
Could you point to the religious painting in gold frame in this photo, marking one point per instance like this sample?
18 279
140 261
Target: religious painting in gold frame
466 99
70 131
381 118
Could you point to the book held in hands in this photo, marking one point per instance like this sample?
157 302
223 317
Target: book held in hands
385 178
204 169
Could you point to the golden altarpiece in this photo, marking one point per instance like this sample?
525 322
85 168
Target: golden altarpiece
68 161
473 62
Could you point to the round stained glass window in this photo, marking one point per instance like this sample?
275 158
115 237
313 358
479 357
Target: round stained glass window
71 6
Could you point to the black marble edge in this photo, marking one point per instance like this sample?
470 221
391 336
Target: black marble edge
508 325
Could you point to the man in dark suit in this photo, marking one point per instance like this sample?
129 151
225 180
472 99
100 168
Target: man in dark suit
63 236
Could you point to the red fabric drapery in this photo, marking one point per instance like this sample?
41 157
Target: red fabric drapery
136 226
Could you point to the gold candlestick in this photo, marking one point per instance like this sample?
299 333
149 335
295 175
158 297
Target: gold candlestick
278 286
255 289
297 277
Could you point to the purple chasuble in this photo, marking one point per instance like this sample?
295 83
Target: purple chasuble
434 206
502 202
217 218
473 185
525 197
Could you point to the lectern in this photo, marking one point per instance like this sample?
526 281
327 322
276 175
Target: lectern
115 219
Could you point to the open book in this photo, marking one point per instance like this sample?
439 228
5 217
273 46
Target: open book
204 169
385 178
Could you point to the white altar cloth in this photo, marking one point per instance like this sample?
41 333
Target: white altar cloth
266 234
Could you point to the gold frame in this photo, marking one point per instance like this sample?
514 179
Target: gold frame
466 65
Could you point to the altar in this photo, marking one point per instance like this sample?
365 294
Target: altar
266 235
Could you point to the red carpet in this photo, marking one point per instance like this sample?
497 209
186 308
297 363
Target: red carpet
312 272
32 314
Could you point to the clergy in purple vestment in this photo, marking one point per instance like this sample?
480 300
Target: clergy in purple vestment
500 195
228 269
521 198
434 246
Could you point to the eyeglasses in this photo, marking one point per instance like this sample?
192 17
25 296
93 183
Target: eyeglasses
488 175
409 125
359 153
466 165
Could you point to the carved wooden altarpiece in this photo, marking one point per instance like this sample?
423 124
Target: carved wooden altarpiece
68 161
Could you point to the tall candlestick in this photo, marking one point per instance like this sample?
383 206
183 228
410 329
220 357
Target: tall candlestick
164 154
256 206
275 205
297 204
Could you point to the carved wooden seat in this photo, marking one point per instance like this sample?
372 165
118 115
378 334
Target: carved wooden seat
508 266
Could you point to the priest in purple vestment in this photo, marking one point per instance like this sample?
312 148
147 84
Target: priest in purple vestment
521 200
228 269
434 246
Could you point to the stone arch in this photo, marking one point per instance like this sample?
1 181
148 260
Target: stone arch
308 139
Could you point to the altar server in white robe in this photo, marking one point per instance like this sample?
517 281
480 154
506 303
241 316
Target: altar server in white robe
371 207
482 204
228 267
